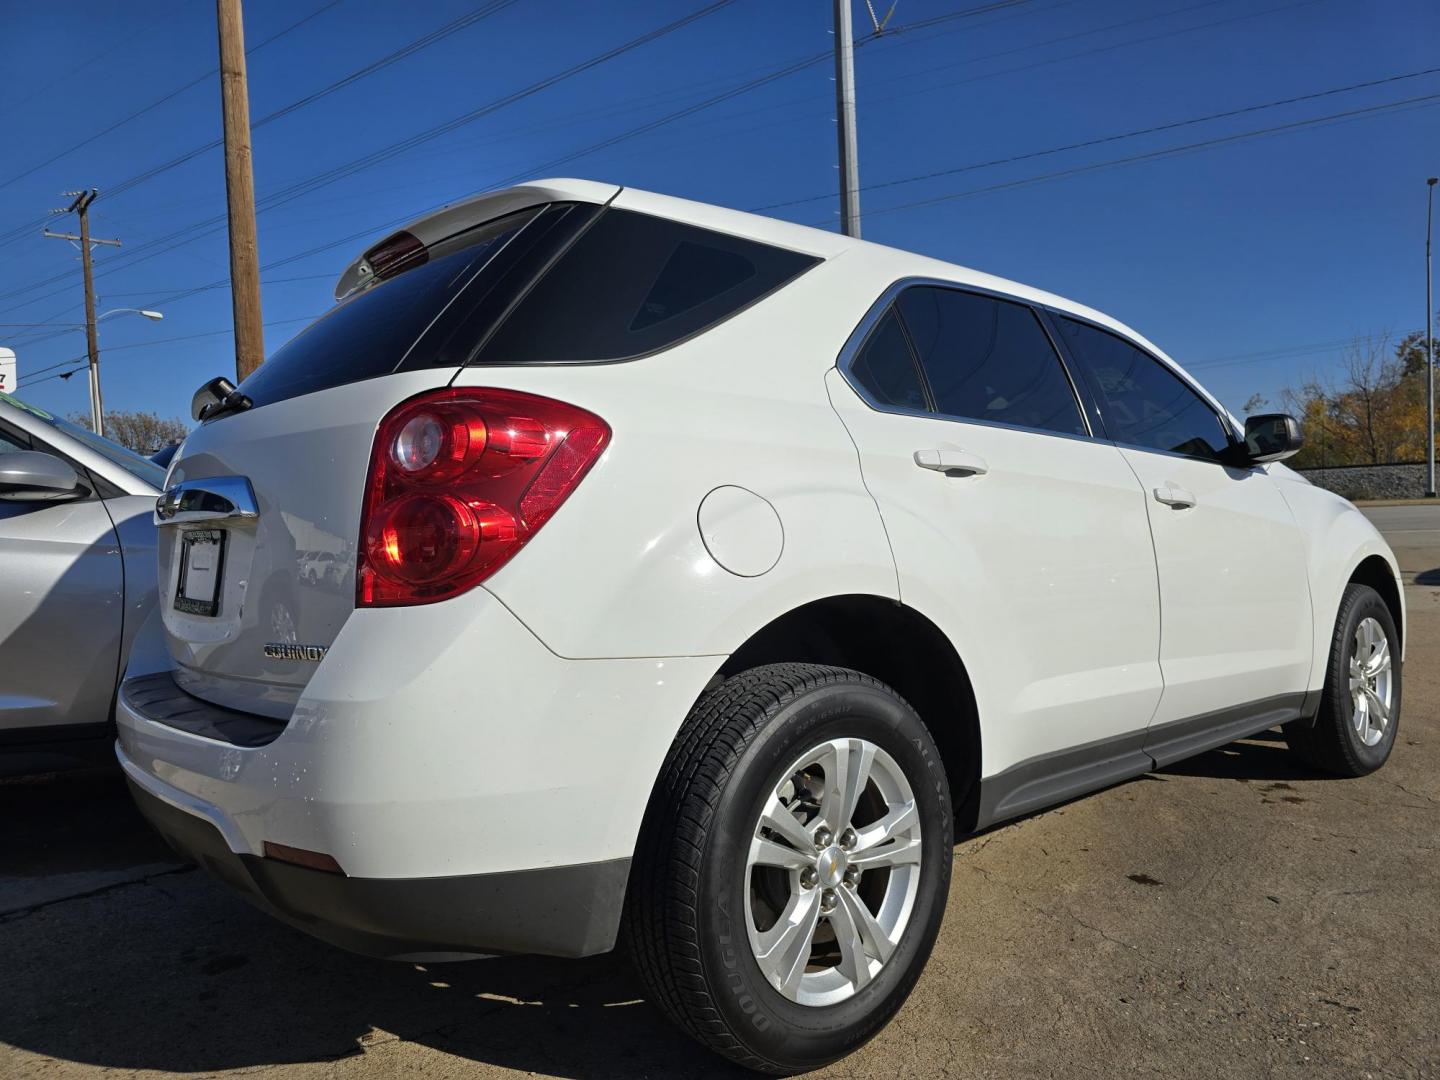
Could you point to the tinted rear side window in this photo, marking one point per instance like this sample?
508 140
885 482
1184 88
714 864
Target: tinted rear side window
989 359
633 284
885 367
1145 403
369 334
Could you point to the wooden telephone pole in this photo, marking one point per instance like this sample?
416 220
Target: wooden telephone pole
81 206
240 191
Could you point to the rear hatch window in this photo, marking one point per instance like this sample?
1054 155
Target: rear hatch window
372 332
564 283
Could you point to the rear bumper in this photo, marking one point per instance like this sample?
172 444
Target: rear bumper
448 761
558 911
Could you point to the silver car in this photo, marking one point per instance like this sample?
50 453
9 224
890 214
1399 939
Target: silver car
77 579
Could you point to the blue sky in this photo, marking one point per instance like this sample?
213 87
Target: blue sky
1252 261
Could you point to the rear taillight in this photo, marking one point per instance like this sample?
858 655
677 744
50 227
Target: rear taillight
459 480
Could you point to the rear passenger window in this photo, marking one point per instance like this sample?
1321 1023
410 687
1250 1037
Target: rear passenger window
1145 403
633 284
989 359
886 369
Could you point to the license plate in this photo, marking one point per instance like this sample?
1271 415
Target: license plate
202 558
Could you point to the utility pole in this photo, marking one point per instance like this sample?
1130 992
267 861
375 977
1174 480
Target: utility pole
81 206
240 191
1429 347
845 119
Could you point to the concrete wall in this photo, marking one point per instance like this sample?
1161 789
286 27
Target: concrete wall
1371 481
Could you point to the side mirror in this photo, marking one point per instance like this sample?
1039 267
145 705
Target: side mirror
1272 437
28 476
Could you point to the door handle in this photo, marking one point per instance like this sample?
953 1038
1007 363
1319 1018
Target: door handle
1175 496
952 462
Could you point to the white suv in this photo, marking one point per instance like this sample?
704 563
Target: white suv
703 576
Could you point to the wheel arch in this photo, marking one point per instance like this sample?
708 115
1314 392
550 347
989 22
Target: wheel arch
1373 570
902 648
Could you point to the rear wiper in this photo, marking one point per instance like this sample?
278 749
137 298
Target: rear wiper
217 398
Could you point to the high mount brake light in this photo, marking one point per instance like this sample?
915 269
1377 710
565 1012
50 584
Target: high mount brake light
396 254
459 480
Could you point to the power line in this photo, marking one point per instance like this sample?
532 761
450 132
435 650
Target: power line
31 380
811 61
420 43
1104 139
871 100
333 175
144 28
763 79
212 225
423 42
21 230
1423 101
745 87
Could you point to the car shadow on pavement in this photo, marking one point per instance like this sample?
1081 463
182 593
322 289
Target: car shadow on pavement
167 970
1262 757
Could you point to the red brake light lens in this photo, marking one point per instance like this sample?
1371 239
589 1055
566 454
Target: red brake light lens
459 480
395 254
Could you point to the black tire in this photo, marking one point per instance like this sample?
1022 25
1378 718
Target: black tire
685 919
1332 743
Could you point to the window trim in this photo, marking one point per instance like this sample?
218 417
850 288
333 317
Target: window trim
860 337
1228 460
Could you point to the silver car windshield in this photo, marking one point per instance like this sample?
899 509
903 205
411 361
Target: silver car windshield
140 467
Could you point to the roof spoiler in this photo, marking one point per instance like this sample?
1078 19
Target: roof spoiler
409 247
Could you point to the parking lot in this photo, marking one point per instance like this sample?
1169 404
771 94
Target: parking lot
1233 915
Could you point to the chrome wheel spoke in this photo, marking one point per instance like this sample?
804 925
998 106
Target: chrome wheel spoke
778 819
871 934
854 965
902 851
846 765
765 852
896 823
1379 660
783 951
1377 707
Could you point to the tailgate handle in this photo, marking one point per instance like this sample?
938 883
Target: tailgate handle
217 498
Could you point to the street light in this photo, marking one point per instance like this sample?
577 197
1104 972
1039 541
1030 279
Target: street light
97 408
153 316
1429 346
97 421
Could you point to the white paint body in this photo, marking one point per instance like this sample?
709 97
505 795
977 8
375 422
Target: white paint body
523 724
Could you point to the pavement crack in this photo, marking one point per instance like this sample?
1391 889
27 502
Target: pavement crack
15 914
1409 791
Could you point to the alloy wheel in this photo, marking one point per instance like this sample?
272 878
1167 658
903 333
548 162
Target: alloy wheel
833 871
1371 681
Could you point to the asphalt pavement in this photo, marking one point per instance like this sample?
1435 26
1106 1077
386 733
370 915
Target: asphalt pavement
1232 916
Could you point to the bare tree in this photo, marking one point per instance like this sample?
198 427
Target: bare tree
143 432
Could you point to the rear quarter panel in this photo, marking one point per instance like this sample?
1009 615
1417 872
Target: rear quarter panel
621 570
